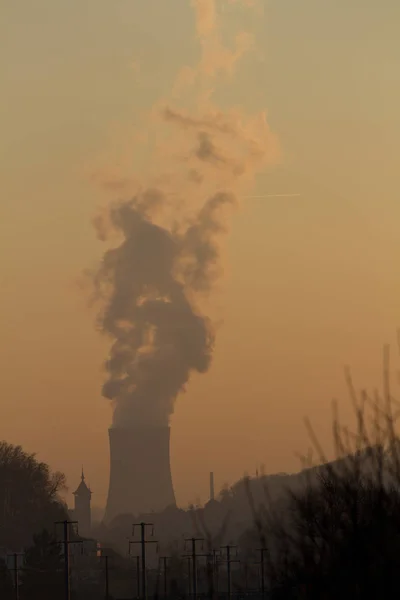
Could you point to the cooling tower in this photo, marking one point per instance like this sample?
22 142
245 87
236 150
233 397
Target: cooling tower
140 471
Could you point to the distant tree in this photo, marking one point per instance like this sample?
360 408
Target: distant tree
42 576
6 582
226 493
29 497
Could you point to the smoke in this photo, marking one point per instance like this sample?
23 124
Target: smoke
167 252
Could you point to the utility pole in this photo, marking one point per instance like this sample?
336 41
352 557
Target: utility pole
216 562
16 569
66 543
164 560
105 558
211 564
143 543
262 552
137 571
229 561
193 542
189 558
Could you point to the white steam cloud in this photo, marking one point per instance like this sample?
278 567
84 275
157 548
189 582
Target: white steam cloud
168 231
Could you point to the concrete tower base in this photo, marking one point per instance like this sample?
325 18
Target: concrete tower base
140 471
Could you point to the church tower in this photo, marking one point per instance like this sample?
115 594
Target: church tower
82 512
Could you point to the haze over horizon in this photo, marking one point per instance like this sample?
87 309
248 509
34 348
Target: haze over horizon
311 282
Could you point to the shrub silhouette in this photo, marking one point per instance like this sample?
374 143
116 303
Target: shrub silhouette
339 534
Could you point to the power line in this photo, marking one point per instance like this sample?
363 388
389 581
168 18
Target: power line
143 543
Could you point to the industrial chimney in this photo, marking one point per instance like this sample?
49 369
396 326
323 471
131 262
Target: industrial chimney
211 486
140 471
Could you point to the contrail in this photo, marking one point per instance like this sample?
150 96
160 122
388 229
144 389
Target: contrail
272 196
255 196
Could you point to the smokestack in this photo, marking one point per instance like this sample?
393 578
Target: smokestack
211 486
140 472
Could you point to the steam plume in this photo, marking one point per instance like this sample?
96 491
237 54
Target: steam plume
168 254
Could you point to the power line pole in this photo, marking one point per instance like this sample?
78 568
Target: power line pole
16 569
262 552
216 563
193 555
143 543
164 560
229 561
189 573
66 543
105 558
137 570
210 570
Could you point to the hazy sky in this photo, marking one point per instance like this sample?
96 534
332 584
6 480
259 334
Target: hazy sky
311 283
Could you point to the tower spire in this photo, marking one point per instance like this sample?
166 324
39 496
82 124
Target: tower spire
82 505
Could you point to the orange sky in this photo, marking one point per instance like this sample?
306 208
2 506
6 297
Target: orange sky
311 283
